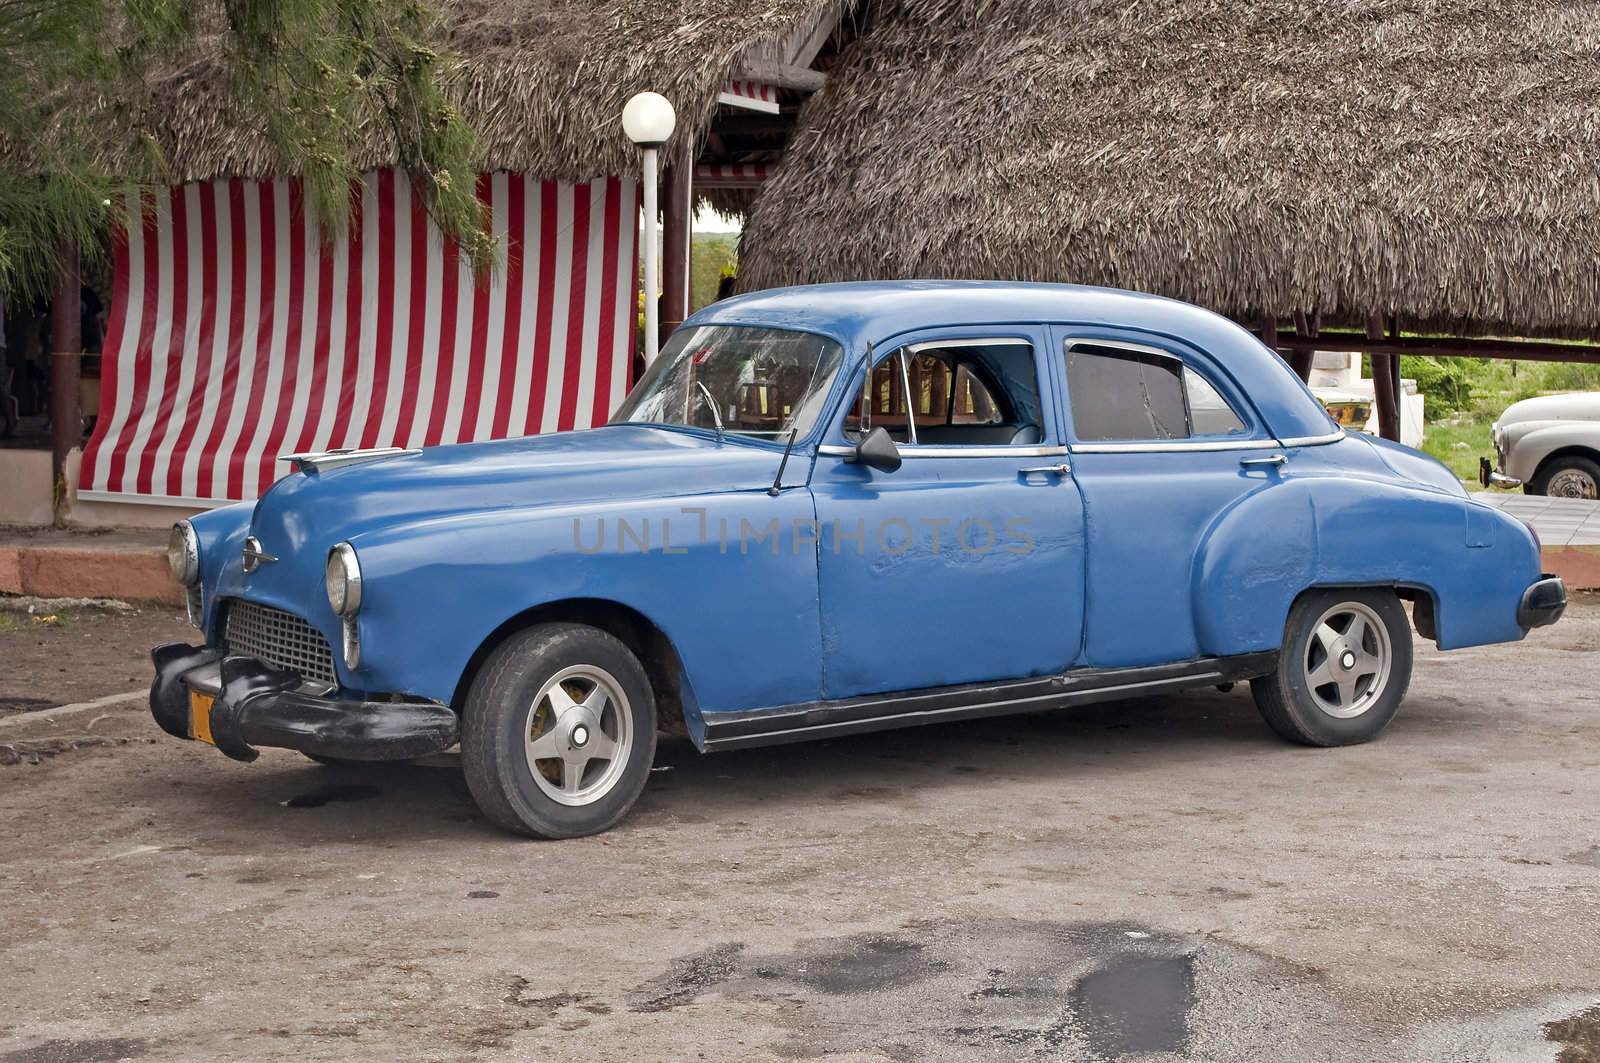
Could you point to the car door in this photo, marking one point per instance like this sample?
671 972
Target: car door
966 564
1162 442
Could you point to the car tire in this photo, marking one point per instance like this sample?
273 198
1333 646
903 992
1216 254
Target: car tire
558 732
1570 477
1364 674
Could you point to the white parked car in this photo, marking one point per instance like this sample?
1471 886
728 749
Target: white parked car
1549 445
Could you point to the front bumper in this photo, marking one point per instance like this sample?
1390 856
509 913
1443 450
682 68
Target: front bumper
258 705
1542 603
1489 476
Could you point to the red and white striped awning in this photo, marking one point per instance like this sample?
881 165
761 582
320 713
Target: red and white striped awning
754 95
730 175
237 335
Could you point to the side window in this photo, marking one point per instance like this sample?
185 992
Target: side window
978 393
1209 412
1123 395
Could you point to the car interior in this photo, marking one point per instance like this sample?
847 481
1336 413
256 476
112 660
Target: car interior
966 394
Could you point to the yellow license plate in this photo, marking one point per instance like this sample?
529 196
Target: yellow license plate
200 716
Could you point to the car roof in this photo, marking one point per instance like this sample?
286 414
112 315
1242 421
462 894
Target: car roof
857 313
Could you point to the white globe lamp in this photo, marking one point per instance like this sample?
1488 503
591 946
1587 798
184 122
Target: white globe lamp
648 120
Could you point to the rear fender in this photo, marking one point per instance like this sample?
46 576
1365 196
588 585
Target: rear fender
1261 554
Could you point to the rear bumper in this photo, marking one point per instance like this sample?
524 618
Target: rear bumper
258 705
1542 603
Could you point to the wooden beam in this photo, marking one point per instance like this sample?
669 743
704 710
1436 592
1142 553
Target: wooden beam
745 125
1513 350
784 75
803 47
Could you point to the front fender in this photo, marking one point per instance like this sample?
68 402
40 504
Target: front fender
742 616
1272 546
221 533
1526 452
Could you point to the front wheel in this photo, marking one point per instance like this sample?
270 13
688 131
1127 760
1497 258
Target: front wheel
1343 669
558 732
1573 476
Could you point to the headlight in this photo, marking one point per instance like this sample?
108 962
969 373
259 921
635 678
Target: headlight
183 554
344 580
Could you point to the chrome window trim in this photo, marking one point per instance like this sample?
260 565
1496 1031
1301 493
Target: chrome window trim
973 341
1205 444
1141 348
1159 447
905 385
1314 441
977 450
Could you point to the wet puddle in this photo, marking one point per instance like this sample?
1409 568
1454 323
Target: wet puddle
1136 1003
331 793
1579 1037
96 1050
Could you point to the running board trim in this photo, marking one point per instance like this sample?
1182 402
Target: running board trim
913 708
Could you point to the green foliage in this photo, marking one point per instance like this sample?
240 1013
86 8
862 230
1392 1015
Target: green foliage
318 71
1447 382
1459 437
715 254
317 75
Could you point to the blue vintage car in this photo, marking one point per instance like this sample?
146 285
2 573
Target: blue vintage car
836 509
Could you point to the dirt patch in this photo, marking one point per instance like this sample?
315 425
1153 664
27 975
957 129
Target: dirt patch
81 655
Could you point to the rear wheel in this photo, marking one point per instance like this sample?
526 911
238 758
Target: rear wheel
558 732
1569 477
1343 669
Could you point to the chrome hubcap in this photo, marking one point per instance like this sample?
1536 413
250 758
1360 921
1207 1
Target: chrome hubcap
1573 483
1347 660
579 735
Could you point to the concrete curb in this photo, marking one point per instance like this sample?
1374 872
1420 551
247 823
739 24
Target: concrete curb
130 573
1578 566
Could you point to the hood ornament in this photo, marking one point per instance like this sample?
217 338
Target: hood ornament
254 556
316 461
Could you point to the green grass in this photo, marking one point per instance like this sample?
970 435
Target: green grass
1459 443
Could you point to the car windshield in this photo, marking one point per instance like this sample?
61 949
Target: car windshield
757 381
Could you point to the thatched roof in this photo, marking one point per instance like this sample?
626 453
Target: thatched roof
542 82
1435 158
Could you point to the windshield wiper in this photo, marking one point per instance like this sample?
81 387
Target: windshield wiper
711 402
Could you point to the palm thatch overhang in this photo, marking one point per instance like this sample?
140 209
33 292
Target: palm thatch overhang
1434 159
541 82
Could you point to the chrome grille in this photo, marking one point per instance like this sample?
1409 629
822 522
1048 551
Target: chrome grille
281 639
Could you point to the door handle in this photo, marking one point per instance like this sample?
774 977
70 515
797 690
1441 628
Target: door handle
1271 459
1052 470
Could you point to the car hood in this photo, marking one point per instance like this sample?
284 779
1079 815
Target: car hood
318 509
1578 406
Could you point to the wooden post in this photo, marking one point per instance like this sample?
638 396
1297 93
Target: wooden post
1394 375
1301 360
1383 387
66 355
1269 331
677 221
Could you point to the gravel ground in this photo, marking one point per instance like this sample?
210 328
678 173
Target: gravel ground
1160 878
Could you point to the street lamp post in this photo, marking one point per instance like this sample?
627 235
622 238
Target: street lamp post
648 120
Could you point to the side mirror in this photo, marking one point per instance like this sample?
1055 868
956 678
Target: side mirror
877 451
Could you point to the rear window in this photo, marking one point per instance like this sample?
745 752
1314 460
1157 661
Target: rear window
1119 394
